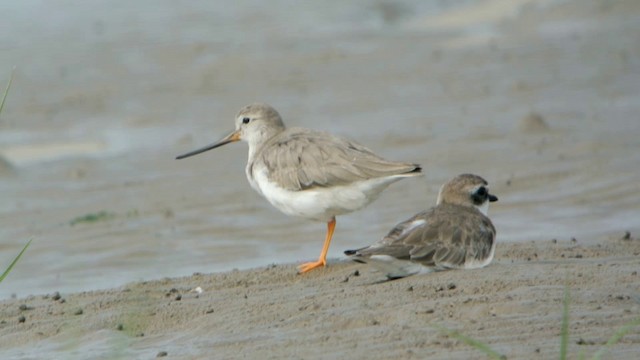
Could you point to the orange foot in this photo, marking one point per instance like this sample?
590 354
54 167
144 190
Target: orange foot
322 260
303 268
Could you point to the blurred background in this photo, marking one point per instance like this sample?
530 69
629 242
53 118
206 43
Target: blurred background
542 98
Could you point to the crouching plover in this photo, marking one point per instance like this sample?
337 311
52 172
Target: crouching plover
455 234
309 173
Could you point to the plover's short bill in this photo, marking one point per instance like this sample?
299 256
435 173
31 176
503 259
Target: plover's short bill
309 173
455 234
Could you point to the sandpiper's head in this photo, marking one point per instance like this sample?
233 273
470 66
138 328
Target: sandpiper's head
467 190
255 124
258 122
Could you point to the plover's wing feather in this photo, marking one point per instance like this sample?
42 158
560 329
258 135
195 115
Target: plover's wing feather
300 159
398 243
442 238
456 236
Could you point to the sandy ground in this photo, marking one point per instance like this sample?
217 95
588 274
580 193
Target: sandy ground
347 311
93 124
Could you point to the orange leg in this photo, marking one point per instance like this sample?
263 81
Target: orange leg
322 261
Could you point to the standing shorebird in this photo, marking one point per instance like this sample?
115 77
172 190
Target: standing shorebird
455 234
309 173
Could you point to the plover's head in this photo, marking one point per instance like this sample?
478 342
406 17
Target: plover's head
255 124
467 190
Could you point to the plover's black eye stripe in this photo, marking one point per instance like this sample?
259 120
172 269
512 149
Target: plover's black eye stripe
480 195
245 120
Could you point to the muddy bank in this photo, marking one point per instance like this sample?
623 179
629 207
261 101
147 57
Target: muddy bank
346 310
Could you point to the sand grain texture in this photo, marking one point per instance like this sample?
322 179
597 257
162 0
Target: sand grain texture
346 310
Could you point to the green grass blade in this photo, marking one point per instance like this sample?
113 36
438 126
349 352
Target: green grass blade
8 270
471 342
616 337
6 90
564 332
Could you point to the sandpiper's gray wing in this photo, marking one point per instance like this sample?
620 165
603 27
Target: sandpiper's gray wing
299 159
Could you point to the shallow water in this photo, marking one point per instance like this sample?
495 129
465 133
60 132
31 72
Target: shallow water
106 95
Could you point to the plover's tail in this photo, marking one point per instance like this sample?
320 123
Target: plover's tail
353 254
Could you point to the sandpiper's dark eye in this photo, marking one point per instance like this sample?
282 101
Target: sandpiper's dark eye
482 191
245 120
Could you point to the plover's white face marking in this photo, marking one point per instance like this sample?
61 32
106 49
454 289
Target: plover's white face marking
455 234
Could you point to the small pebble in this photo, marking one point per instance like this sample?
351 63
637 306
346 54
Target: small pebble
120 327
162 354
178 297
451 286
56 296
22 319
582 341
78 312
627 236
24 307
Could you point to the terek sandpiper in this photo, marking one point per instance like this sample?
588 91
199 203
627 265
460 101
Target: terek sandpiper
309 173
455 234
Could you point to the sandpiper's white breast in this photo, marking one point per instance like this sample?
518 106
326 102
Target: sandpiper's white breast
318 203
